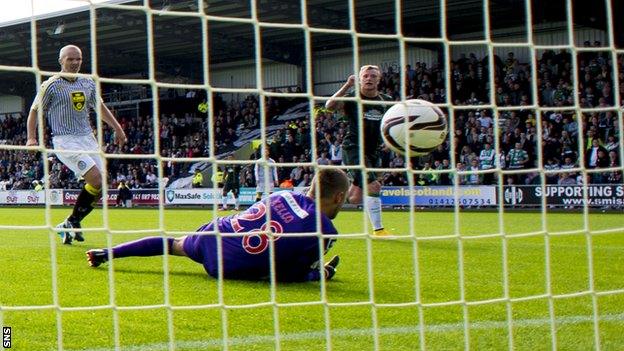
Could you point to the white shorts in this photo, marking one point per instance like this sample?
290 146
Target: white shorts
263 189
80 163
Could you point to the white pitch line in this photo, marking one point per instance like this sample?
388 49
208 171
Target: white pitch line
337 333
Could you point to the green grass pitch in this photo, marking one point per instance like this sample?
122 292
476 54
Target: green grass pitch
414 284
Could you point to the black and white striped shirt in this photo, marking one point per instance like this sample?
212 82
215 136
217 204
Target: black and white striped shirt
66 104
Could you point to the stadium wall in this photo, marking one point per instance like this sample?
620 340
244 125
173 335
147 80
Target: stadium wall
553 34
11 104
243 75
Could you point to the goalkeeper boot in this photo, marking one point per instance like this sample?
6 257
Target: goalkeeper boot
65 235
96 257
330 267
381 232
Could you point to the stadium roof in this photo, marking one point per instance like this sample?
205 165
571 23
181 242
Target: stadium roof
122 42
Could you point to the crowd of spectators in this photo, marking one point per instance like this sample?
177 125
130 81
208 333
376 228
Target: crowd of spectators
17 168
183 135
180 136
482 140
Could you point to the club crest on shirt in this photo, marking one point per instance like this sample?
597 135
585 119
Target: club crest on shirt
78 100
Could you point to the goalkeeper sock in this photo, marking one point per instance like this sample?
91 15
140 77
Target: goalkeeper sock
85 203
150 246
373 204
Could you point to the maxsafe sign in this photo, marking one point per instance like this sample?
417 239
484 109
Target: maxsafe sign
206 196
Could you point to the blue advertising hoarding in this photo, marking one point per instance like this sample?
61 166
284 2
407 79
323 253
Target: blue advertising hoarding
438 195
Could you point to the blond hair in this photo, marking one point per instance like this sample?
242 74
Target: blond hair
369 67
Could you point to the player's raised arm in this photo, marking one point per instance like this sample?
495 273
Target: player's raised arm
332 103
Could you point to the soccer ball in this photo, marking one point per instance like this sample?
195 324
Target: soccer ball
417 126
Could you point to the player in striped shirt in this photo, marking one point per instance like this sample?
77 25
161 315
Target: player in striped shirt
65 101
246 250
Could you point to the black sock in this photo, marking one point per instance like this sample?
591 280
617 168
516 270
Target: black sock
84 204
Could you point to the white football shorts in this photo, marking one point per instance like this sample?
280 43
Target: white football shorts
260 187
79 162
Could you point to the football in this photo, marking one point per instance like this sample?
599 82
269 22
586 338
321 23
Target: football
415 127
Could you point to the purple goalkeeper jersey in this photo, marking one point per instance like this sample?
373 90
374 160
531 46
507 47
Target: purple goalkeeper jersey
247 255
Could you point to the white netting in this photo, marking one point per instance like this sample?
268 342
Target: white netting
447 44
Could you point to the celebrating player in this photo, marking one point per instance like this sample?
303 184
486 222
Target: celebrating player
263 177
249 256
65 101
369 81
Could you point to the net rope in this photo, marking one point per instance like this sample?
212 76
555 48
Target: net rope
416 240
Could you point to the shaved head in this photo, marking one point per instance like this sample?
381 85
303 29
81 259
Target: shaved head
65 49
70 59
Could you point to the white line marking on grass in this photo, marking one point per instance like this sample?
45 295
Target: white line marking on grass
338 333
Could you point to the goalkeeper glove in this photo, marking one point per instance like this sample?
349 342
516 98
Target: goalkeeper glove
329 270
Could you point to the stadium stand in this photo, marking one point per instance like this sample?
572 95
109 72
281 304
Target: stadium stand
185 133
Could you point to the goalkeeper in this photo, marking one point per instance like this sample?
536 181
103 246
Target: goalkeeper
370 119
65 101
248 256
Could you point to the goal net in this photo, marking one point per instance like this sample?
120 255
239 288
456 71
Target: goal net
507 236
